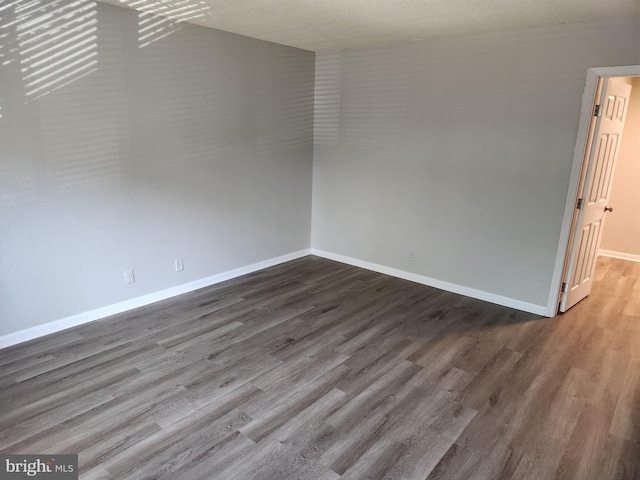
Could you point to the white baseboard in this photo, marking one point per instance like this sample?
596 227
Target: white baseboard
102 312
624 256
432 282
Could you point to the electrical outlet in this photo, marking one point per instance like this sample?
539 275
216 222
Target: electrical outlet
179 265
412 256
129 277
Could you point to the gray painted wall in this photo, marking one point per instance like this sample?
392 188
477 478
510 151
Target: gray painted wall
459 149
141 140
138 142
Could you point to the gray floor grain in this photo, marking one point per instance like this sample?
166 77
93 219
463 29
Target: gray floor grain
318 370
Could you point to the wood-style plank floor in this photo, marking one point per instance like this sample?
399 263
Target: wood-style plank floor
318 370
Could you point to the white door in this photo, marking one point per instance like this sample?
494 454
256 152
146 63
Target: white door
595 189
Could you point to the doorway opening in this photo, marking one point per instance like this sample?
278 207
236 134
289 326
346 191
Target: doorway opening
621 235
604 106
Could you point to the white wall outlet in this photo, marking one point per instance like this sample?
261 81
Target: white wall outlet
412 256
129 277
179 265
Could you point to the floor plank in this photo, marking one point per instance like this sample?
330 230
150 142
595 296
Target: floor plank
315 369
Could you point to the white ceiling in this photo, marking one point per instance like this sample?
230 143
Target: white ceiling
321 25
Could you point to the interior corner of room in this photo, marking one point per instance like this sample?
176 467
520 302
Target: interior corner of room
142 158
321 240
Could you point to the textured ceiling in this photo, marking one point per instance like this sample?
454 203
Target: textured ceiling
320 25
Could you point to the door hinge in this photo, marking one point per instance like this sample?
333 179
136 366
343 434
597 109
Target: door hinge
564 288
580 204
596 111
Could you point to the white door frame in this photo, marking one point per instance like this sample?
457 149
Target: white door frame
586 113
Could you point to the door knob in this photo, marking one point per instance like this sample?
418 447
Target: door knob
608 209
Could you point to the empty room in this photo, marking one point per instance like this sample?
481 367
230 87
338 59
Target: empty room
286 239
